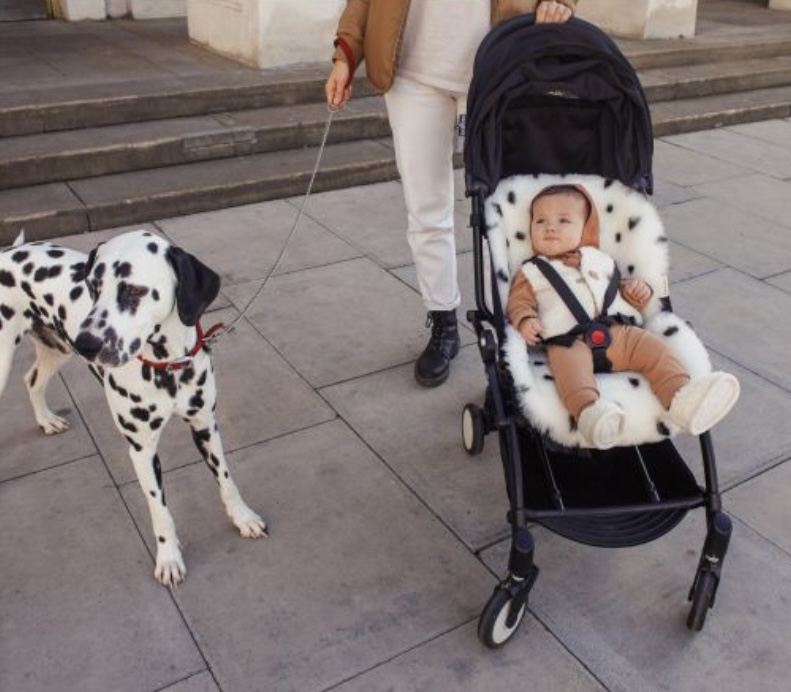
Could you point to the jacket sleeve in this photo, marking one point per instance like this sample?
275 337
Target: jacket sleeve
522 303
351 33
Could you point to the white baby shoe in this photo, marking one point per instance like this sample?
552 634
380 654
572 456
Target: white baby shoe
601 424
702 403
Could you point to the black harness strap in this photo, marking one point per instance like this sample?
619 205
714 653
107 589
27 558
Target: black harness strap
595 331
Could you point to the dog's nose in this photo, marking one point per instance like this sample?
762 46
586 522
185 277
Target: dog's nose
88 345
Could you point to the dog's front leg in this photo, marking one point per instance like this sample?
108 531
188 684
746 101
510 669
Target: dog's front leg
170 568
207 439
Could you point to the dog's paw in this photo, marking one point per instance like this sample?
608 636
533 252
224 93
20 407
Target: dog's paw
250 525
52 424
170 571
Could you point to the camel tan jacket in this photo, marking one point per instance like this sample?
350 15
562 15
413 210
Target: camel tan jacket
373 30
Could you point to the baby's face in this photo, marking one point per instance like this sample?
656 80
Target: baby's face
556 224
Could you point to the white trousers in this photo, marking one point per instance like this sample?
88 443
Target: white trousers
422 119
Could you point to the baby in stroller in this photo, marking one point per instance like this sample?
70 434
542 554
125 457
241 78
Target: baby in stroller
569 295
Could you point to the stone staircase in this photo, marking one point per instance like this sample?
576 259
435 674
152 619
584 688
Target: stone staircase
115 156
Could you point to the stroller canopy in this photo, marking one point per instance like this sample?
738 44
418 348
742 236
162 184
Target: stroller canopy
555 98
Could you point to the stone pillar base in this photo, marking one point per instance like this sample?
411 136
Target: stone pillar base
266 34
643 18
157 9
80 10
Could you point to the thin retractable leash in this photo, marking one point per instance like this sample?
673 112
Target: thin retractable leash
220 330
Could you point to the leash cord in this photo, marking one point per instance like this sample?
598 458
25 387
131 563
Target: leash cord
227 330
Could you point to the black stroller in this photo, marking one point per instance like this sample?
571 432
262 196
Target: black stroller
553 104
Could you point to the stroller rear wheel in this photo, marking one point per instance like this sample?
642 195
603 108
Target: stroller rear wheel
473 429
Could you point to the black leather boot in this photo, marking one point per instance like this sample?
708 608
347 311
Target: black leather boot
433 366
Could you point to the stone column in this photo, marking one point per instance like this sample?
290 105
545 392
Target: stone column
80 10
643 18
266 34
156 9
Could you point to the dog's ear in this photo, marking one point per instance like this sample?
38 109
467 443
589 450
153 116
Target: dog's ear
196 285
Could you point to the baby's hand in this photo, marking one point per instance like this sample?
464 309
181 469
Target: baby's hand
636 290
530 329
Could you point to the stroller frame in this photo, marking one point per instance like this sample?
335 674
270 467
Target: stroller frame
539 473
505 609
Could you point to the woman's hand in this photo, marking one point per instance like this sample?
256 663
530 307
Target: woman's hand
550 11
338 94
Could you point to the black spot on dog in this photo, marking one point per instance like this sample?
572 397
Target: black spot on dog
511 197
609 208
125 425
502 276
123 270
634 382
78 272
498 209
7 279
572 424
617 237
27 270
520 235
49 299
161 539
33 377
608 182
661 239
156 423
75 294
44 273
128 297
133 443
20 256
670 331
202 379
55 253
662 429
7 311
155 295
633 221
549 377
140 414
630 269
152 248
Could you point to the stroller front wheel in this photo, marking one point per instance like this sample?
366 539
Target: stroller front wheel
702 600
473 429
497 623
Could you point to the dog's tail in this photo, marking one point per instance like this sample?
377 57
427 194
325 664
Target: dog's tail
20 239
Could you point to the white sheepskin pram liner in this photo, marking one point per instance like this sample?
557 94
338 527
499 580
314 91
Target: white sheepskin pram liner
633 234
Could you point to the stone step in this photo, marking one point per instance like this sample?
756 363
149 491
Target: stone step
83 153
33 110
58 209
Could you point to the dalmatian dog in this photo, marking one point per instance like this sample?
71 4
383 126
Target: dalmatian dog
130 308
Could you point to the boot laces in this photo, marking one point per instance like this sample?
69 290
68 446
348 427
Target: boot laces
437 330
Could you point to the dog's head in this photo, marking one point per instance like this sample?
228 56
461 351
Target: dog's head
138 281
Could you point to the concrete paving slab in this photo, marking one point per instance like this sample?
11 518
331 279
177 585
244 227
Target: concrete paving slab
775 132
533 660
686 263
763 348
243 243
762 503
769 158
753 437
418 433
356 569
202 682
683 167
373 219
622 612
782 281
734 237
667 193
253 403
760 195
81 610
26 449
337 322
